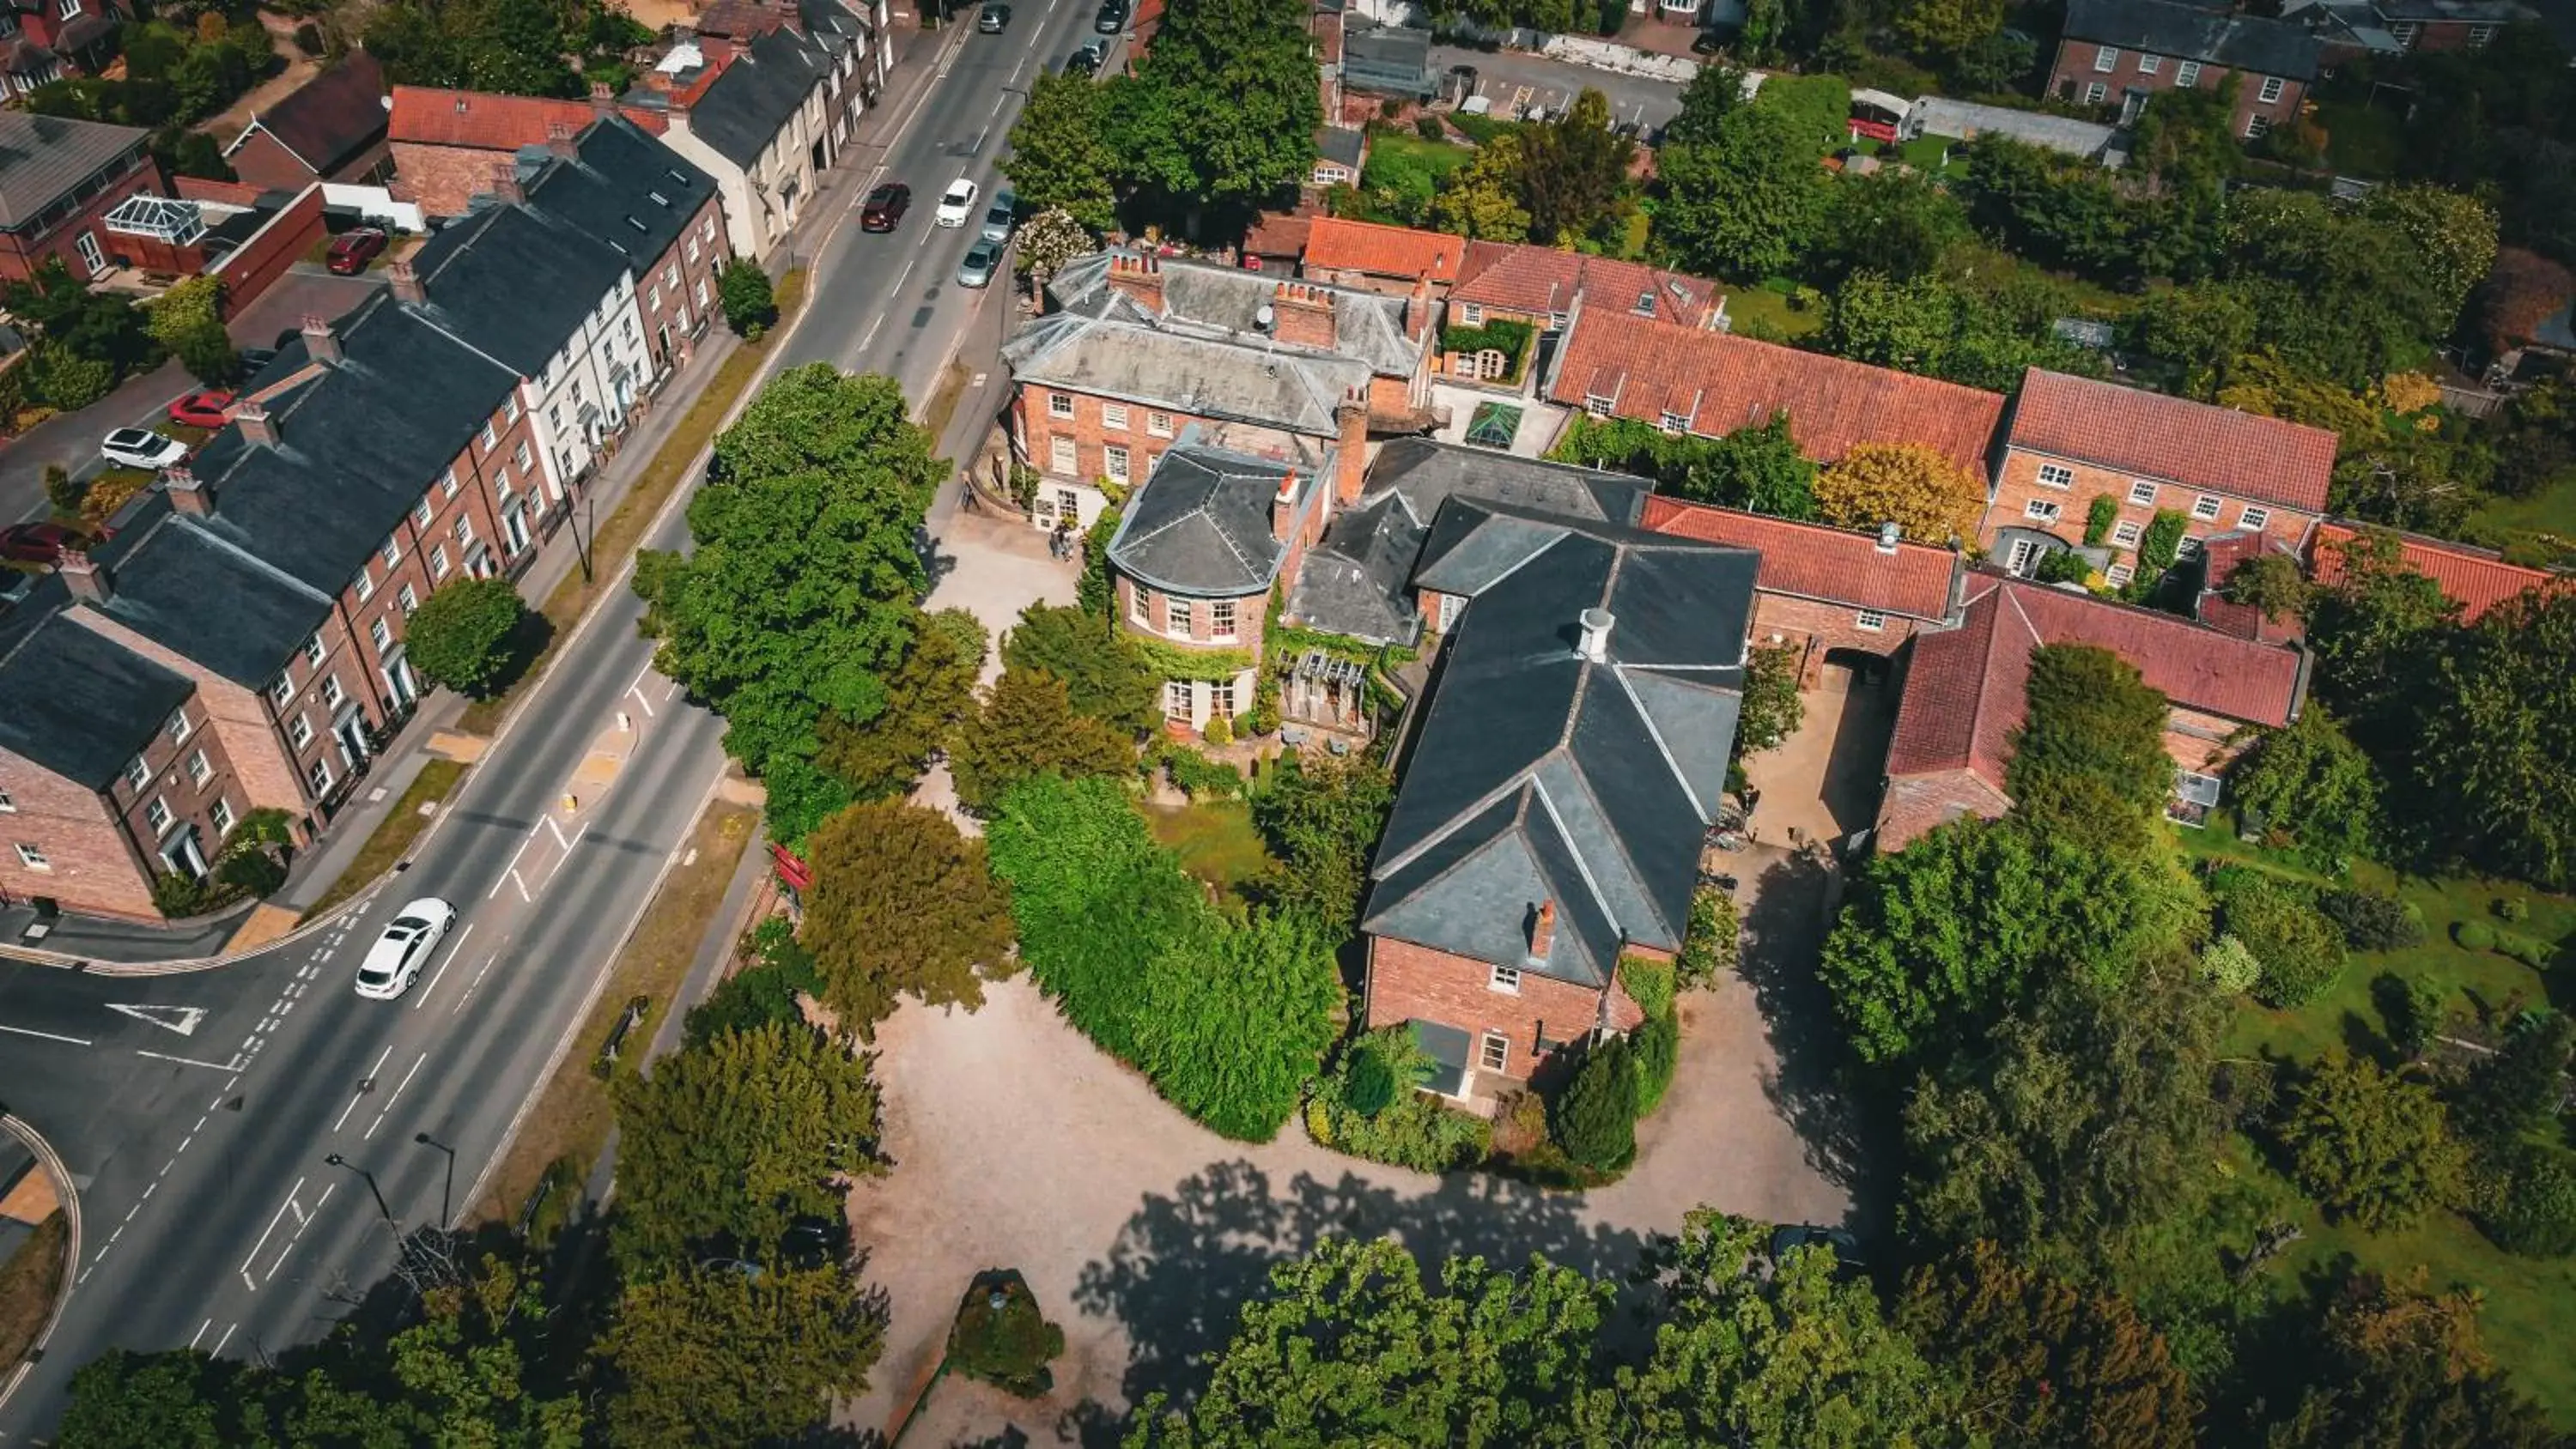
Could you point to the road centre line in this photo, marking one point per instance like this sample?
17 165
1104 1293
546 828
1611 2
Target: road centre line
477 981
200 1333
396 1097
435 976
47 1035
219 1343
354 1099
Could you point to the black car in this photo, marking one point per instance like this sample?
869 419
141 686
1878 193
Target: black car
993 19
1086 60
1708 42
885 206
1112 17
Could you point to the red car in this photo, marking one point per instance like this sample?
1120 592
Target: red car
201 409
885 206
36 542
355 248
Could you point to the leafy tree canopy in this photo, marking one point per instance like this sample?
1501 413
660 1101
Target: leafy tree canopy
1930 498
460 634
715 1354
902 905
1105 676
1028 728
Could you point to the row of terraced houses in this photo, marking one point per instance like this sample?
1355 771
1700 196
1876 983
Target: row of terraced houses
1354 453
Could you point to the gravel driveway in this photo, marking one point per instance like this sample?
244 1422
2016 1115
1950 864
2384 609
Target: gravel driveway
1015 1144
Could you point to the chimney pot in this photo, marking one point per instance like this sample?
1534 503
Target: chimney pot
1888 533
603 101
320 342
406 283
505 183
559 140
1542 932
1596 625
256 427
88 579
1283 508
188 495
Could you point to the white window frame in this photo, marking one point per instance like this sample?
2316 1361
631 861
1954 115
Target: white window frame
1870 620
422 512
1114 415
366 583
2271 92
199 768
2142 493
299 730
178 725
333 696
222 814
381 634
32 856
138 772
437 562
1221 620
2149 62
1180 701
2404 33
1494 1053
2040 510
2257 126
157 817
393 550
407 601
2126 534
1116 462
2056 475
2206 507
448 484
2254 516
2479 35
2187 75
2106 58
1505 979
319 776
1180 616
284 689
1059 405
1063 455
491 439
2096 93
2119 575
7 805
1158 424
1140 607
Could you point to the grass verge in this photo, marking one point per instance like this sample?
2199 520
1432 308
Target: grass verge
942 407
28 1283
566 1129
619 534
436 781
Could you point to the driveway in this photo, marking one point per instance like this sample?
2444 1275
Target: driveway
1016 1144
1823 782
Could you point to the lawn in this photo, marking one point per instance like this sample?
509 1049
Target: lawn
2538 530
435 782
28 1282
1215 840
1409 165
1763 313
2360 140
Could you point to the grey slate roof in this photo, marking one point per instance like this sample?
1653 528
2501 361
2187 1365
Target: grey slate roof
1357 581
624 188
1201 525
1335 143
515 283
742 112
43 158
1538 775
2193 32
73 701
1225 303
1387 59
182 585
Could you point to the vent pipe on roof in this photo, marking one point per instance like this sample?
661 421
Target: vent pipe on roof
1888 533
1595 644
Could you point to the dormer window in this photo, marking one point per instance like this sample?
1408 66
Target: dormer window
1645 304
1596 404
1674 422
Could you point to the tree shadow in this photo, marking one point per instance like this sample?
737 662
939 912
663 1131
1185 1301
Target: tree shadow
1811 1084
2363 1040
520 649
1185 1265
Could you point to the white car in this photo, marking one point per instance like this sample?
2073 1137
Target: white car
142 448
957 205
395 961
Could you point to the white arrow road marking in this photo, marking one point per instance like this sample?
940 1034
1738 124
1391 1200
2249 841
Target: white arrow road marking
181 1019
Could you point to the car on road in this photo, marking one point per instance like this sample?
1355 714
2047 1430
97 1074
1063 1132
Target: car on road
141 448
201 409
993 19
355 248
398 956
982 260
1087 58
957 204
41 543
1001 214
885 206
1112 17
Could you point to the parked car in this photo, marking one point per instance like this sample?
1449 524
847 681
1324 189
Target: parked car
397 958
885 206
1112 17
141 448
957 204
1708 42
982 260
993 19
36 542
355 248
1001 215
255 360
1087 58
201 409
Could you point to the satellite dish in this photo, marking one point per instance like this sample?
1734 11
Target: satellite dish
1263 318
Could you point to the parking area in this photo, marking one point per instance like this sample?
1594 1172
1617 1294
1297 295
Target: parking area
1823 782
1513 81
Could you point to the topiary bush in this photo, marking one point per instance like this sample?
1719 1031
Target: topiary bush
2302 952
2372 920
1405 1128
1595 1118
2230 965
1714 942
2527 1202
1658 1047
1369 1088
1002 1338
2411 1008
2474 936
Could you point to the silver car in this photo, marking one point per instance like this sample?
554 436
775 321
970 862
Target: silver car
1002 215
982 260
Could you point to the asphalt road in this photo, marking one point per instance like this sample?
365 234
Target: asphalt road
196 1128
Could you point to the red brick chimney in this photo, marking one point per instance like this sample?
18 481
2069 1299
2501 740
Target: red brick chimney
1302 316
603 101
406 283
192 497
320 342
790 14
255 424
88 580
1140 277
505 183
1283 508
1542 932
1350 455
559 140
1418 308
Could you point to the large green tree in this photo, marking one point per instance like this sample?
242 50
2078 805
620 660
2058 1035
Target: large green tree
1321 817
803 591
1223 111
1746 202
715 1354
2497 746
460 634
1233 1018
2388 1364
902 905
1574 172
1028 727
2093 727
1061 155
928 698
1105 676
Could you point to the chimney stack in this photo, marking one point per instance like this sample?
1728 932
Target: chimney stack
1595 644
1350 455
1303 316
1417 308
1542 932
1140 278
1888 533
320 342
603 101
505 183
559 140
88 580
406 284
190 496
257 427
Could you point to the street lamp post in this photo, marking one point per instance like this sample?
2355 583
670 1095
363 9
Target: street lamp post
588 516
447 1191
336 1160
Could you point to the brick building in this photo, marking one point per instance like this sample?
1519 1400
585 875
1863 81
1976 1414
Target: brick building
790 80
1824 590
1378 258
614 183
1544 287
331 128
448 145
1964 698
2476 579
58 181
2071 440
42 41
2119 53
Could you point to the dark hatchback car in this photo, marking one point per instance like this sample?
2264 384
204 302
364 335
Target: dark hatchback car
1112 17
1086 60
993 19
885 206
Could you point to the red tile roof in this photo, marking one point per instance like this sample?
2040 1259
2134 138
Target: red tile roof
1540 280
2174 438
2478 578
2221 556
1283 235
482 121
1964 691
1720 382
1385 251
1814 561
229 193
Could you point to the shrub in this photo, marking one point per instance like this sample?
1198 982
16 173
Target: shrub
1219 731
2528 1202
1370 1085
2512 908
460 635
209 355
1595 1118
2370 1146
2301 951
1658 1047
308 38
64 491
253 872
2230 965
1002 1338
1409 1128
2411 1008
2528 950
1714 942
2517 1089
1430 129
1199 777
1650 984
2372 920
760 993
749 306
66 380
2099 517
2474 936
2158 544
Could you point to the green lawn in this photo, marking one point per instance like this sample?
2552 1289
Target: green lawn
1761 312
1409 165
1215 840
2361 141
2538 530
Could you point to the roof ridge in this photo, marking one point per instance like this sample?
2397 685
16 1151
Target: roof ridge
191 527
1582 867
1655 732
1451 826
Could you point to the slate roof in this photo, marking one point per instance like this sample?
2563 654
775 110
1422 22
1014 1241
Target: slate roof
1400 252
329 118
2156 436
1357 581
182 584
2478 578
1964 691
742 112
624 188
2216 35
1815 561
1387 59
1201 525
43 158
515 283
1720 382
1334 143
482 121
1538 775
1539 280
1225 303
73 701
